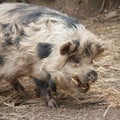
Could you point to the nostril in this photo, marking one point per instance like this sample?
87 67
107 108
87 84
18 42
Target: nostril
89 75
95 75
92 75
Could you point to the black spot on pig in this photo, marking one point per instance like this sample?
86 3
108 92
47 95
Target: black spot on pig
8 42
33 13
2 60
52 85
87 50
44 50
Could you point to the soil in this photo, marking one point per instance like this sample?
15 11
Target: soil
109 74
39 112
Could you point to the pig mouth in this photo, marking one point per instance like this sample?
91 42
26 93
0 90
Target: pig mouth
84 86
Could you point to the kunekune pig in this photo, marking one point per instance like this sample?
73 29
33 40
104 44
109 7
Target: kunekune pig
47 46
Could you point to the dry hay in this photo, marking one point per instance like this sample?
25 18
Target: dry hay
106 90
108 67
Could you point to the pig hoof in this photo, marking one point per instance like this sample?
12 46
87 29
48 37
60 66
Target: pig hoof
52 103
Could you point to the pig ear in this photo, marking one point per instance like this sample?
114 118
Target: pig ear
69 48
94 49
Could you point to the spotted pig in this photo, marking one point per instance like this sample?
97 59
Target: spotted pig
47 46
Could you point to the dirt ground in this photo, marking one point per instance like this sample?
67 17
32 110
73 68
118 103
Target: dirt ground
102 102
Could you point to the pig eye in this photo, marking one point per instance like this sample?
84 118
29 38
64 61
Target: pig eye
74 60
87 52
91 61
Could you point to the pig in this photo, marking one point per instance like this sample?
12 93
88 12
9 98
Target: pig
49 47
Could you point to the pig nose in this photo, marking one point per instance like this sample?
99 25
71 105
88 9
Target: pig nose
92 75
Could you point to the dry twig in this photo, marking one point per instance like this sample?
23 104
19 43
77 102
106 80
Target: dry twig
106 111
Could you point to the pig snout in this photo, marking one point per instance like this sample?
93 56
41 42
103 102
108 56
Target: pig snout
92 76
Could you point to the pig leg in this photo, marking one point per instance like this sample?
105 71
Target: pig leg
20 89
45 91
48 99
16 85
44 86
52 86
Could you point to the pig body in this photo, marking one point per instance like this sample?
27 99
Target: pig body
47 46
